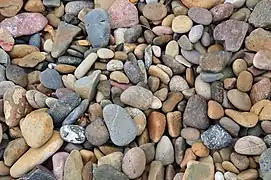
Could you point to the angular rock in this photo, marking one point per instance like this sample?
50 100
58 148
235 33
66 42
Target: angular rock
14 24
216 138
51 79
195 114
122 128
261 15
233 40
64 36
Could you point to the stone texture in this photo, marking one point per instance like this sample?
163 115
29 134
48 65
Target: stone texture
17 75
97 133
250 145
200 15
73 166
260 90
260 16
259 39
10 8
73 133
108 172
199 170
164 151
51 79
265 162
6 40
39 172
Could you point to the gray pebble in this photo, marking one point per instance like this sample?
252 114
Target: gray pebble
4 58
132 34
97 133
51 79
17 75
211 77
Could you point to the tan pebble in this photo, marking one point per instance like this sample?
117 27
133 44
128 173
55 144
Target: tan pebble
178 8
21 50
225 153
262 109
162 94
240 161
188 156
197 170
251 174
34 6
239 99
156 103
172 49
108 149
88 156
155 11
157 72
174 123
4 170
6 39
15 132
31 60
139 118
252 163
181 24
65 68
144 137
244 81
172 100
69 80
59 11
238 66
200 149
53 20
156 171
229 83
215 110
246 119
73 166
191 134
105 53
228 166
215 48
139 50
217 157
83 43
250 145
156 125
98 154
201 3
166 69
208 159
167 21
119 76
218 167
162 30
190 77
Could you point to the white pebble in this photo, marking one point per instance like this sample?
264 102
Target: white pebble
219 176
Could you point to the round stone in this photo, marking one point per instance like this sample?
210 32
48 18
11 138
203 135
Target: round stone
239 99
178 83
250 145
191 134
200 15
195 33
97 133
244 81
105 53
51 79
155 11
182 24
73 133
165 151
215 110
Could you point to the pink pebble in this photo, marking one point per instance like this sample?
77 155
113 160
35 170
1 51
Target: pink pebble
59 160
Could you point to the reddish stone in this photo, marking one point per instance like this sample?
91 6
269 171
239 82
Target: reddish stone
260 90
24 24
6 40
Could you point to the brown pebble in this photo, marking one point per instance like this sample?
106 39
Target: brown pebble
244 81
200 149
174 123
188 155
215 110
156 125
228 166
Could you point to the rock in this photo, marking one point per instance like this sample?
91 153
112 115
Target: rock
73 166
156 171
181 24
17 75
240 161
31 60
85 65
155 11
262 109
185 44
239 99
134 162
108 172
5 58
246 119
73 133
200 15
216 138
114 65
222 11
105 4
97 27
230 126
201 3
70 60
64 106
230 176
15 105
156 125
39 172
172 63
35 40
195 33
233 40
21 50
260 90
75 7
191 134
196 170
244 81
10 8
37 128
228 166
215 62
202 88
211 77
58 161
262 60
86 86
87 172
141 94
172 100
14 150
14 24
61 43
165 151
6 40
195 114
250 145
76 113
149 151
260 16
51 79
172 49
132 34
114 159
174 123
215 110
35 156
34 6
4 86
116 118
97 133
265 162
200 149
122 14
177 83
259 39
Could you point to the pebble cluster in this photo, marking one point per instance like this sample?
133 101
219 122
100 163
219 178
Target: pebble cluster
135 89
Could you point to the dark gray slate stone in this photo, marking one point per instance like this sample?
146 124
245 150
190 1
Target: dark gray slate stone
195 113
133 72
39 173
4 57
216 137
217 91
69 60
64 106
51 79
267 140
17 75
97 27
106 172
261 14
73 133
121 126
76 113
176 67
211 77
132 34
265 162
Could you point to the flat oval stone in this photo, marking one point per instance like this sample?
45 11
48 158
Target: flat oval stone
200 15
14 24
17 75
222 11
182 24
239 99
70 60
165 151
250 145
58 161
73 133
121 126
195 33
262 60
73 166
201 3
108 172
51 79
155 11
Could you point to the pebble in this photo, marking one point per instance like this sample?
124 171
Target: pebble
134 162
114 159
202 88
215 110
185 43
73 166
265 162
4 86
132 34
35 156
181 24
75 7
58 161
34 6
200 15
164 151
177 83
239 161
173 64
73 133
200 149
116 118
155 11
51 79
196 170
122 14
37 128
195 33
228 166
222 11
156 125
105 53
246 119
229 125
6 40
239 99
149 151
156 171
260 15
202 3
195 114
17 75
11 8
35 40
250 145
174 123
259 39
216 137
108 172
260 90
172 49
97 27
211 77
13 24
31 60
262 60
244 81
219 176
191 134
97 133
114 65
